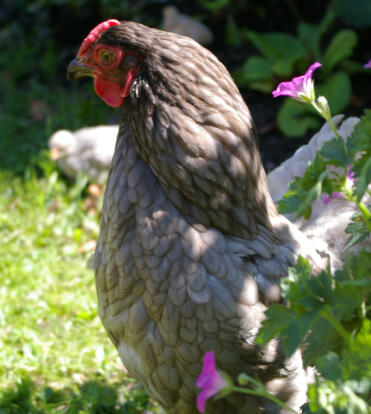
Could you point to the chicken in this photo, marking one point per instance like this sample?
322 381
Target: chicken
325 223
88 151
173 21
191 248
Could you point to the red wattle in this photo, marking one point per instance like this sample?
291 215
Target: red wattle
109 91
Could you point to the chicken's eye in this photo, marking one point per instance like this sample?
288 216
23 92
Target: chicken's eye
106 57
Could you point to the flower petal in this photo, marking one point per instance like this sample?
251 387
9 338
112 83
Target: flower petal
208 369
300 88
312 68
368 65
326 199
337 194
209 380
201 401
285 88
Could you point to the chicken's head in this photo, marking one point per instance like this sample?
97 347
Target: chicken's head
113 68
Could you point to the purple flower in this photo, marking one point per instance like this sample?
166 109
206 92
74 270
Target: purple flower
210 381
350 177
326 199
300 88
336 194
368 65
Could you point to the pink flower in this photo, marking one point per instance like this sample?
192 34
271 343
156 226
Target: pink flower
368 65
300 88
326 199
350 177
336 194
210 381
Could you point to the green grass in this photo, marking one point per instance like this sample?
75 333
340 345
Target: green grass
54 354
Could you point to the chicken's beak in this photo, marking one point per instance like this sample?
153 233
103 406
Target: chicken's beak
76 69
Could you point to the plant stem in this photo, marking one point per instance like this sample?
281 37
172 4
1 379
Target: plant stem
264 394
333 127
366 214
326 116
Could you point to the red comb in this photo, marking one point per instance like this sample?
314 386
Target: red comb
95 33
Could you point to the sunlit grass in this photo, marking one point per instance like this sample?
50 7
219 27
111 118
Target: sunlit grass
54 354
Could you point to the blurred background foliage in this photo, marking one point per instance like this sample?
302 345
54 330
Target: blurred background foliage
54 354
261 43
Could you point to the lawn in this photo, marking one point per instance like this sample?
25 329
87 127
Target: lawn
54 354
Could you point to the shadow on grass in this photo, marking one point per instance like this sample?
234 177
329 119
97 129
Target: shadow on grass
93 397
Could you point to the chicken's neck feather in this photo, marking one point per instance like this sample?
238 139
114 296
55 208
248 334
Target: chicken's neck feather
207 160
191 125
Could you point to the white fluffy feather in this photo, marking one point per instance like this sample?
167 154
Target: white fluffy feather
327 222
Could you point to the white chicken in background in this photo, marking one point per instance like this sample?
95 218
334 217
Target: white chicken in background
173 21
87 150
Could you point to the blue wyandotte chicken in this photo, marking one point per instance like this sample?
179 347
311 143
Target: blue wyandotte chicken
191 248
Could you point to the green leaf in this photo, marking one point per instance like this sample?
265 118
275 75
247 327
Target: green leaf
310 34
292 285
318 343
361 265
340 47
356 273
265 86
358 230
356 357
281 50
311 301
285 323
289 204
301 191
295 333
329 366
214 5
308 195
335 152
233 35
305 205
364 179
279 317
282 67
360 139
351 284
327 21
256 73
337 89
257 68
304 292
340 397
295 118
